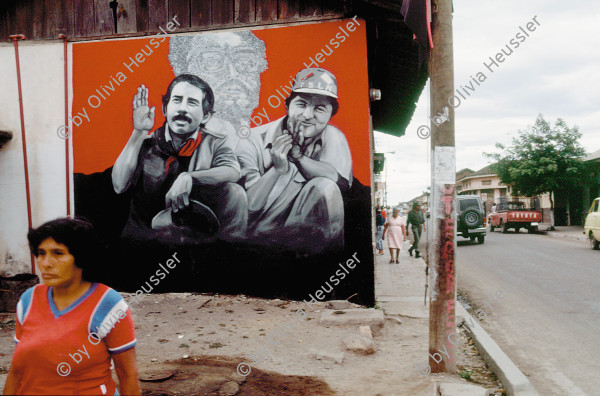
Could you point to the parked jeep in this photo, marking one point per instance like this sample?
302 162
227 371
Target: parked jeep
471 219
592 224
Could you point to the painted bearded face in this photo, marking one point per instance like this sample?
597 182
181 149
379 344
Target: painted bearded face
230 63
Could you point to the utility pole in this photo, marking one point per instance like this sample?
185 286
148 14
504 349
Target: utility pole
441 253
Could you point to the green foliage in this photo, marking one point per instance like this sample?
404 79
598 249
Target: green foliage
466 374
543 158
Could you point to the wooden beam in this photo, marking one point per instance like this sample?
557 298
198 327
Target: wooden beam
141 15
289 9
22 21
334 7
201 13
93 19
58 18
222 12
266 10
104 23
38 21
4 25
127 16
83 18
181 9
311 8
391 5
157 15
245 11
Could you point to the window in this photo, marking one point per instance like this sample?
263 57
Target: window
486 183
516 205
467 203
595 207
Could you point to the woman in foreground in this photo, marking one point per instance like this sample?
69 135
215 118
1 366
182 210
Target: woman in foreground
69 328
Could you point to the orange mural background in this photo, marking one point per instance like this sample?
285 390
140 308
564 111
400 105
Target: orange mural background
98 141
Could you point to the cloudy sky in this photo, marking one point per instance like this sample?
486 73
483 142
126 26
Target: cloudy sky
555 72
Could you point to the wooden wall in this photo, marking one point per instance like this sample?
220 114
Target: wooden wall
393 56
85 19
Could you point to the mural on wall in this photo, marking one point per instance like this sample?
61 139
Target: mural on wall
231 63
238 145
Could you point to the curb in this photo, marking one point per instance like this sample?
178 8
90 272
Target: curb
557 234
568 234
560 234
514 381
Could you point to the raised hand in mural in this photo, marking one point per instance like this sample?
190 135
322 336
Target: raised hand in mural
143 116
279 152
143 120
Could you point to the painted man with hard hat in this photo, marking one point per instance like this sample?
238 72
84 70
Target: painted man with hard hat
295 168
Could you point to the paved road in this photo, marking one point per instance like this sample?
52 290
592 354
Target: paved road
543 306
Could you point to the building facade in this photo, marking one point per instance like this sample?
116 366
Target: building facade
490 188
74 66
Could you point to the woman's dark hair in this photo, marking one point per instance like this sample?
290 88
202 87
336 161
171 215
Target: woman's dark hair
78 235
208 100
333 101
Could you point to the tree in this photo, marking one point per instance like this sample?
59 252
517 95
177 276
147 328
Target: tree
542 159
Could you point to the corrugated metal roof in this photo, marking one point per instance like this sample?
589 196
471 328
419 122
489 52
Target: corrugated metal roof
593 157
465 174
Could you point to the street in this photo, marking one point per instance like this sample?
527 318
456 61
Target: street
548 315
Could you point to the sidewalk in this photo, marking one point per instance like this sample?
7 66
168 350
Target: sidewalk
400 288
400 292
569 232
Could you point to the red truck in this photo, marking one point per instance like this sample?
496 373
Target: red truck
514 215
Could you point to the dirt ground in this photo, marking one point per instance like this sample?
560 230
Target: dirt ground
225 345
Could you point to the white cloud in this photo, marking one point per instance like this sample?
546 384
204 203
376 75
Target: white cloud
554 72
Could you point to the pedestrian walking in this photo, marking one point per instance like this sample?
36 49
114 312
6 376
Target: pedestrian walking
397 234
380 222
416 222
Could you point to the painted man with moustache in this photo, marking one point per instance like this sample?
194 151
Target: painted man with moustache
184 174
295 168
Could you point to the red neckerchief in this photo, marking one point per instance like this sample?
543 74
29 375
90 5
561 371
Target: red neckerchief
186 150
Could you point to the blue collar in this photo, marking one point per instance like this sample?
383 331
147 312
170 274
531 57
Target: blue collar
73 305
